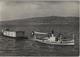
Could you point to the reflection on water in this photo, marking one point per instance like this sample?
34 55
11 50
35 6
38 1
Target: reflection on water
9 46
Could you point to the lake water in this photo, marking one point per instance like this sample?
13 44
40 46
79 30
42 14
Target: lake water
26 47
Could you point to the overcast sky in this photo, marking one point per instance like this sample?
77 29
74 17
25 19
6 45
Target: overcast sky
10 10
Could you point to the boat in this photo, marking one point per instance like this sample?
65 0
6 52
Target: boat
53 40
13 34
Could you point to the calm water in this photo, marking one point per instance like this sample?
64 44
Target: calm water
26 47
9 46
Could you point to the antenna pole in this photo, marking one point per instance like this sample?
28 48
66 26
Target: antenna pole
73 36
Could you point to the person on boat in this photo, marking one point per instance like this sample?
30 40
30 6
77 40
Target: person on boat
52 33
57 37
52 36
60 37
33 34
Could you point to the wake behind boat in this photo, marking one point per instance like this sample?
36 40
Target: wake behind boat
52 39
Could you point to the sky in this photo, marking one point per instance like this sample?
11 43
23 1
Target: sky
11 10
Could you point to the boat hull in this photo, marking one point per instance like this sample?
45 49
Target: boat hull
55 43
13 34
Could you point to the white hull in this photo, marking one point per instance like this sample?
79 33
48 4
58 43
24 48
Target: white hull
55 43
13 33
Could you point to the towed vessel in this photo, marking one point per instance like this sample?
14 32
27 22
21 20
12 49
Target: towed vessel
14 34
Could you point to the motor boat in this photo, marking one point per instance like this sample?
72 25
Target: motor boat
52 39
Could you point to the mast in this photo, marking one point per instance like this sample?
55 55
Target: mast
73 37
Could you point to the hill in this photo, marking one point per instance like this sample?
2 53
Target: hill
50 19
45 24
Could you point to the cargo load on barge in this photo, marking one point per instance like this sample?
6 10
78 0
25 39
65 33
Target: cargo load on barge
9 33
